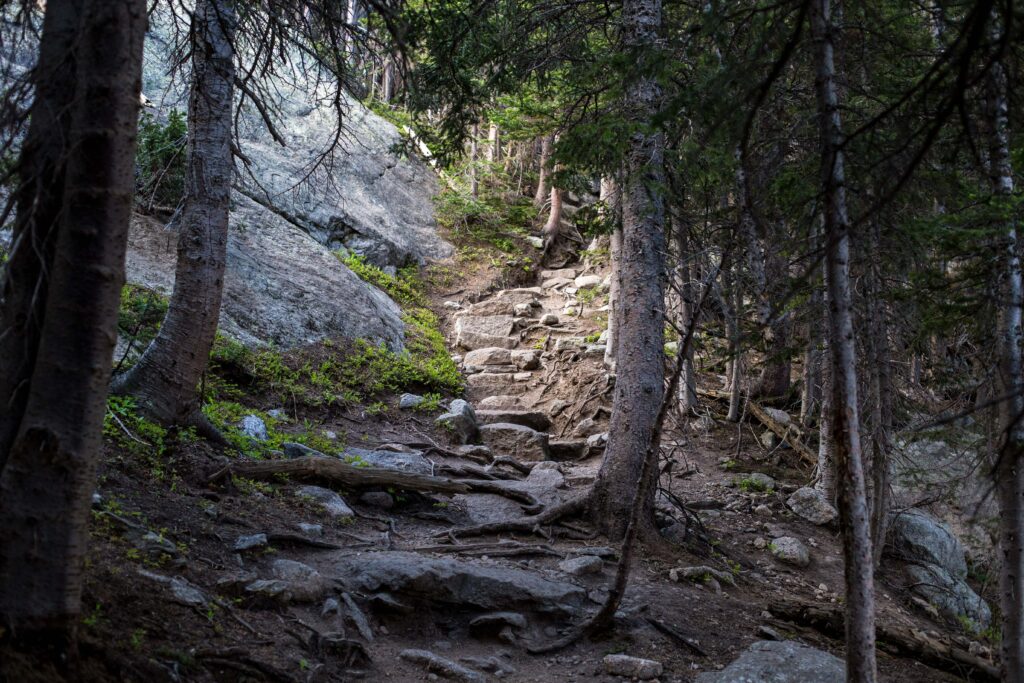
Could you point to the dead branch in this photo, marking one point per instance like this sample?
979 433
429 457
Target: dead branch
791 432
940 652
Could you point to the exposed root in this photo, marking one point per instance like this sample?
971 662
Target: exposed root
530 504
528 525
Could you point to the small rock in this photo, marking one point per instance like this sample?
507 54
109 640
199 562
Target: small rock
526 359
812 505
298 450
378 499
331 606
452 305
755 481
332 435
97 499
549 319
522 376
760 543
315 530
763 510
304 583
597 440
791 551
523 310
632 667
582 565
254 427
587 281
409 401
602 551
587 427
768 633
334 505
250 542
515 440
277 413
460 420
535 242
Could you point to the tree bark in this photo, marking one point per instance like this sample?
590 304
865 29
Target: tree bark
474 153
853 511
1009 472
553 228
494 144
48 478
686 277
543 185
610 197
165 378
38 198
641 358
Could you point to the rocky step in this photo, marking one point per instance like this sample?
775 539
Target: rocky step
533 419
517 441
568 449
486 331
491 383
501 402
489 358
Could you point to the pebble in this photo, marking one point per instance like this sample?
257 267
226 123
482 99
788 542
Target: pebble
316 530
633 667
250 542
582 565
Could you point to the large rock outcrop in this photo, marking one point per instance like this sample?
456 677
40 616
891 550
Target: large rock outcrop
366 198
281 287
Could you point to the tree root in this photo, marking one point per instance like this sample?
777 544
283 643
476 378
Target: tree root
533 524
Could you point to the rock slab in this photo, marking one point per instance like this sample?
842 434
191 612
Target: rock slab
779 662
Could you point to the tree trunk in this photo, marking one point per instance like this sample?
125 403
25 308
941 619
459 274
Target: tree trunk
1009 472
853 511
41 168
48 478
686 277
543 188
494 144
610 196
641 356
881 403
735 369
165 378
553 228
474 153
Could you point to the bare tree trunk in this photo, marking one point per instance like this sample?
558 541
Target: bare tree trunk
610 199
1009 469
49 474
881 400
41 168
735 370
553 228
165 378
474 153
810 394
494 144
543 189
686 277
641 357
853 511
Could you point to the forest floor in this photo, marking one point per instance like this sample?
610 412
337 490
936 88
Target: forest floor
164 597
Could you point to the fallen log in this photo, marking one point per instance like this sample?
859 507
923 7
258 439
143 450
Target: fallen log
941 653
339 472
790 432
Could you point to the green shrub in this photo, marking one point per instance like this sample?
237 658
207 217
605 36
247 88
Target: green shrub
160 158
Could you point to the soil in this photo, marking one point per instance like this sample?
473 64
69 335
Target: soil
134 629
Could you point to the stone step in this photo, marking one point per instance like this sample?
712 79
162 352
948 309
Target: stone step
500 402
480 332
500 383
517 441
568 449
534 419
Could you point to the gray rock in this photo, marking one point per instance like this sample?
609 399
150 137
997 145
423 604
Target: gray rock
587 281
479 332
277 414
298 450
918 537
756 481
281 287
526 359
492 355
378 499
250 542
460 421
632 667
780 662
567 273
568 449
409 401
254 427
389 460
588 427
812 505
450 581
498 619
950 595
333 504
501 403
443 667
791 551
314 530
496 383
535 242
533 419
549 319
582 565
597 440
305 584
452 305
522 443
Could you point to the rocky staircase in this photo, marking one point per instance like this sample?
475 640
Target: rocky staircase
534 366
